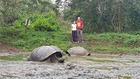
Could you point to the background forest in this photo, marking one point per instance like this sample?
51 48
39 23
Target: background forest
109 25
106 15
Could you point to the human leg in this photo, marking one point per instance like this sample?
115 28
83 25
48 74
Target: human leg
82 36
78 36
75 36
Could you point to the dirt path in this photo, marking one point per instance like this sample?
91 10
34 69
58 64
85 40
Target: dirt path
5 48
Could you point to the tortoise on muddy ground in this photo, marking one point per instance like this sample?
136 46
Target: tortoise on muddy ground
78 51
47 53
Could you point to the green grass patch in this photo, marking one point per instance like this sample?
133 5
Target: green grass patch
31 39
124 77
104 68
14 57
7 76
127 77
100 60
113 43
103 56
102 43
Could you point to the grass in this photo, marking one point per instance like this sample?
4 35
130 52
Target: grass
104 68
100 60
7 76
113 43
127 77
100 43
14 57
104 56
124 77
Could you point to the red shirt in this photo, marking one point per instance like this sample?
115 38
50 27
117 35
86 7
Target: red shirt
79 24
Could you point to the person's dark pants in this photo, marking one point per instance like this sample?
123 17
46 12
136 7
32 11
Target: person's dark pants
74 35
80 36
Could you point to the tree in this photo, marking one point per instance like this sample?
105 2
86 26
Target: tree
106 15
61 5
10 10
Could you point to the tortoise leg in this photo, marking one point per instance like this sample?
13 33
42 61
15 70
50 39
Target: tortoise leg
53 59
56 58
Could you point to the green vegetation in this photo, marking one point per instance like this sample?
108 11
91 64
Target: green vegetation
46 27
127 77
114 42
99 60
104 56
45 22
31 39
105 42
106 15
124 77
14 57
104 68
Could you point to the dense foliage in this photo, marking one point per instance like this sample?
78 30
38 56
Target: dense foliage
30 39
11 10
106 15
46 28
105 42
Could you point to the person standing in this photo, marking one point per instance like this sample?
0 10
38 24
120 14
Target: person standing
79 27
74 32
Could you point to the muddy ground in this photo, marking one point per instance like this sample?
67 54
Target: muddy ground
97 66
94 67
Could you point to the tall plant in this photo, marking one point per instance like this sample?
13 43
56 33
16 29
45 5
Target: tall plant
11 10
106 15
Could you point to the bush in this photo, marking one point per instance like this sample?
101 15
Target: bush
19 23
10 31
40 22
46 22
133 42
32 39
122 39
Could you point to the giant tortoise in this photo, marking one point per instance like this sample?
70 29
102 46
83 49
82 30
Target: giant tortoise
79 51
47 53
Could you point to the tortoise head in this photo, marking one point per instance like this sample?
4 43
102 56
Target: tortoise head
67 53
88 54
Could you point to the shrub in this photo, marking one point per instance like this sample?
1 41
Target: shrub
133 42
18 23
46 24
10 31
40 22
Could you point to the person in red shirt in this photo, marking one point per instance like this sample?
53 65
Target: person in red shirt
79 28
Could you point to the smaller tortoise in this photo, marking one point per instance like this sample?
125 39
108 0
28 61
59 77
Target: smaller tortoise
47 53
79 51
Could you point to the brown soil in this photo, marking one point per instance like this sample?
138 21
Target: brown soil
6 48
